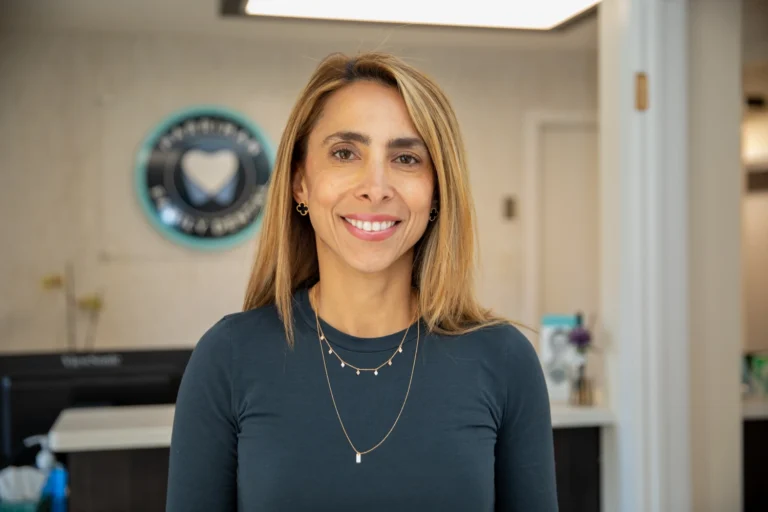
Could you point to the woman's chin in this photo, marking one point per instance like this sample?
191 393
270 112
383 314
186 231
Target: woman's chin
370 264
366 260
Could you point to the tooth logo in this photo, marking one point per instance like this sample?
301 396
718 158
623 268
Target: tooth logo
201 177
210 176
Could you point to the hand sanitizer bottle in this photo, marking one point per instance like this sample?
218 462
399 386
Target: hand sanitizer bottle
55 490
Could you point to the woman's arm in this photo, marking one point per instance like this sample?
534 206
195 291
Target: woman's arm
525 462
203 463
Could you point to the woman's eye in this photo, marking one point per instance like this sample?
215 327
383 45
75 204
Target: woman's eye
343 154
407 160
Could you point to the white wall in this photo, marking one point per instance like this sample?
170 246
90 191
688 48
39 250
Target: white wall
715 273
74 106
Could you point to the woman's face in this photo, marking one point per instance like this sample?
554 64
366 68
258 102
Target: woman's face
367 179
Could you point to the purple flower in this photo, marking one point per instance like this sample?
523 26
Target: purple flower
580 337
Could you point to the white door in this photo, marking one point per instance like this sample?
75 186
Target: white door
569 272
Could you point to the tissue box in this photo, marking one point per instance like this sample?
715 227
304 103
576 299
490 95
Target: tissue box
18 507
21 488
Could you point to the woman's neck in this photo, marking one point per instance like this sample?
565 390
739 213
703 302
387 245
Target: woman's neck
366 306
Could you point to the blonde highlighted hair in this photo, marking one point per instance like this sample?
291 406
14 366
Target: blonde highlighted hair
444 258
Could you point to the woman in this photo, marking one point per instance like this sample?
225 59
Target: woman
362 373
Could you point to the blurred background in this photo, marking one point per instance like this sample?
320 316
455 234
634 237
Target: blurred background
103 297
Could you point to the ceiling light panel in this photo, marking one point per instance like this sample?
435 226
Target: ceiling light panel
513 14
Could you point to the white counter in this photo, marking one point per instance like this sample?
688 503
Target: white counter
112 428
568 416
755 409
149 426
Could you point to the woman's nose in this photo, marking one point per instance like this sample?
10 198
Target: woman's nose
375 184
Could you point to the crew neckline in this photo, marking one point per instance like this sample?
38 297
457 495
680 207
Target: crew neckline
347 341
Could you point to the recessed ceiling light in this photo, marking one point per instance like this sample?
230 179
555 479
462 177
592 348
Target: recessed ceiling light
517 14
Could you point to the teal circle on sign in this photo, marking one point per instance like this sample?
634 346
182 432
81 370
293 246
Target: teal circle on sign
202 176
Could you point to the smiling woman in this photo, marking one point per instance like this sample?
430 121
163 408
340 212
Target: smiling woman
356 180
361 334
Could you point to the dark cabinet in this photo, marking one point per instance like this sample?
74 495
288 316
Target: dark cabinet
755 465
118 481
135 480
577 468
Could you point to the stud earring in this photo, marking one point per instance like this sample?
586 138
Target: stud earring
433 215
303 209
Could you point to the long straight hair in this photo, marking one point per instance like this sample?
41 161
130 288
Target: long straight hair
444 259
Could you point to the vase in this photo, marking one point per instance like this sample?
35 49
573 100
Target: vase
581 390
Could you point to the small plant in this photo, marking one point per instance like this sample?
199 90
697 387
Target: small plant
580 336
91 304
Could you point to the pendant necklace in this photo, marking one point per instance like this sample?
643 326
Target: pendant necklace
322 339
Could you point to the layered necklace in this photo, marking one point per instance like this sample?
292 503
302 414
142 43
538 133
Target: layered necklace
324 342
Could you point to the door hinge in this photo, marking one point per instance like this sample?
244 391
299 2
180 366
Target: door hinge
641 91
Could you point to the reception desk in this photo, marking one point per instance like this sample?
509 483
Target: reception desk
118 456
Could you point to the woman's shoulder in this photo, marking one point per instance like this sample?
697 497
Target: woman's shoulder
238 331
264 318
513 359
502 343
501 335
508 359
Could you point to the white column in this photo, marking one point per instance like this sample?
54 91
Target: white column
715 106
644 200
611 82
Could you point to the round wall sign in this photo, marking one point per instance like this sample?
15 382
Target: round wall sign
202 177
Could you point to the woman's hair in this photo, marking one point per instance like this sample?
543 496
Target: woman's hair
444 258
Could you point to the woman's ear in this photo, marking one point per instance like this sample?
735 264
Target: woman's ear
299 186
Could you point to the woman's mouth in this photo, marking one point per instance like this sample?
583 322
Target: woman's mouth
372 229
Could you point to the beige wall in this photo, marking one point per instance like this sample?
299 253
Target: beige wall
754 32
755 139
755 240
74 106
755 124
755 214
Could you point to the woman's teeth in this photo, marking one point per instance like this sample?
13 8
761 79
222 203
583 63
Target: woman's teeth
370 226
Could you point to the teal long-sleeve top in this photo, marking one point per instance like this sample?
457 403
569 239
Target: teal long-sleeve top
255 428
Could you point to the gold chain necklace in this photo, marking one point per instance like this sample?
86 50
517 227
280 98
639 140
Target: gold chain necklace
357 369
358 453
